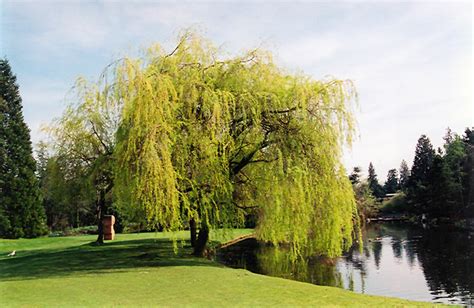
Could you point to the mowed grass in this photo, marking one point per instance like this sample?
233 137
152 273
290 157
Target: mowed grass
142 270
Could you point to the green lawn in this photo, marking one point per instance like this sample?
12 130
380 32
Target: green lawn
142 270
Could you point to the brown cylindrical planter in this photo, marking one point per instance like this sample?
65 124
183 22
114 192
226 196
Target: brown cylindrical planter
108 223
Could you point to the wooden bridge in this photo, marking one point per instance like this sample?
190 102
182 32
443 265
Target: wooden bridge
237 240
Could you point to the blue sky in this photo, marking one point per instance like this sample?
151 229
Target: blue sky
410 61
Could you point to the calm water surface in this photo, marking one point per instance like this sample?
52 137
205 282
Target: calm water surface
398 260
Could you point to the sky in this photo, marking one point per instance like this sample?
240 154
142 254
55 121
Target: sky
411 62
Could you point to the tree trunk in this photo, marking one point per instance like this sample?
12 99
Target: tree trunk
192 229
100 216
201 242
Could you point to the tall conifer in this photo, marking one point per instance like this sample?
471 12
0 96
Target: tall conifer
375 187
421 171
21 211
404 175
391 185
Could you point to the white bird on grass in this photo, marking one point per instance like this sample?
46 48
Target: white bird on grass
11 254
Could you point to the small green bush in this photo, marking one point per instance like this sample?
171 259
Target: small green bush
395 205
75 231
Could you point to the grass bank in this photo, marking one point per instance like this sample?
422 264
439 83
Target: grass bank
142 270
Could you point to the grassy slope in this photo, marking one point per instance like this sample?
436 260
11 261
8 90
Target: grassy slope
141 270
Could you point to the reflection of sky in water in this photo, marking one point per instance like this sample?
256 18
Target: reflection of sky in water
397 274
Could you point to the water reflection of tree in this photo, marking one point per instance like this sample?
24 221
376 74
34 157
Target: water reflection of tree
275 261
410 252
372 238
397 248
447 259
355 260
377 251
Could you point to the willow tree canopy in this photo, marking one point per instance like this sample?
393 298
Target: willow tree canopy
205 138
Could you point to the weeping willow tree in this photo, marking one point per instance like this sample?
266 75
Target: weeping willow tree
83 143
204 138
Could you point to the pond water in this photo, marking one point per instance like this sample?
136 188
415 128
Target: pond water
397 260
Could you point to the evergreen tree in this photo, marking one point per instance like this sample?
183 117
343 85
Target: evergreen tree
468 173
375 187
424 155
404 175
391 185
449 137
432 200
453 173
418 188
21 211
468 137
354 177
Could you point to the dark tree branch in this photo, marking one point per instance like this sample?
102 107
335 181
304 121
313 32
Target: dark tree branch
190 189
177 47
244 207
238 166
106 148
262 161
104 71
281 111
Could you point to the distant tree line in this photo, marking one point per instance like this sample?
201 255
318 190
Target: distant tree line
67 191
439 184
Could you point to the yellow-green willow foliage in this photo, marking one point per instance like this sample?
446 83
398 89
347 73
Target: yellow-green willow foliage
84 136
205 138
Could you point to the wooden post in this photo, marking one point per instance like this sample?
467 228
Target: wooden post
108 224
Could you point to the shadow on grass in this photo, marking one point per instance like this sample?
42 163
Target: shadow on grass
90 259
